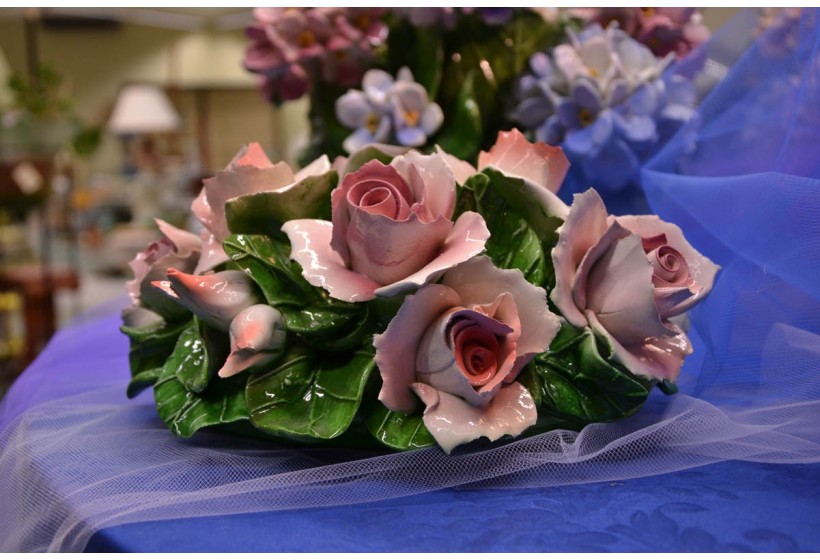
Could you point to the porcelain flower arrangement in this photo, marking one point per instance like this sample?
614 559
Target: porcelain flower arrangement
405 300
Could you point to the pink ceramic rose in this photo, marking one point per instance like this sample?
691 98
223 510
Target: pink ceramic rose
392 230
459 346
626 277
251 172
176 248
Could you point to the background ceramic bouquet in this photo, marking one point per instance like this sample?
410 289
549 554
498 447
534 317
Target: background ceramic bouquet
408 300
610 85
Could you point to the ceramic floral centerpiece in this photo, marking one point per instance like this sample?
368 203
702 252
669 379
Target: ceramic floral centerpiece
407 300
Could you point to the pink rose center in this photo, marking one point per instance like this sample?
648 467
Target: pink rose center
376 196
476 353
669 267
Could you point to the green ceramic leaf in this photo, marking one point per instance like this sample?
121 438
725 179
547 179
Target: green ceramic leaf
512 243
425 59
265 212
185 412
575 383
189 363
543 213
358 332
151 345
142 381
397 430
309 396
267 262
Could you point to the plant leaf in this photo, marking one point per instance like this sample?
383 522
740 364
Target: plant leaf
267 262
397 430
512 242
142 381
574 385
265 212
185 412
309 396
151 345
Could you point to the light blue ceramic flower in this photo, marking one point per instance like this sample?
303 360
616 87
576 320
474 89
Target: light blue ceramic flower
388 110
607 99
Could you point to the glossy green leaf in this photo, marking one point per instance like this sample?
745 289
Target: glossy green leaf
185 412
189 362
542 213
357 333
265 212
578 382
267 262
142 381
397 430
309 396
151 345
512 242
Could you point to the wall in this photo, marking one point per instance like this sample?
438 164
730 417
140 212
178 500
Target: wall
96 62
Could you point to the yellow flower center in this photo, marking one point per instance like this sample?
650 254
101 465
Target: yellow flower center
411 118
593 73
648 12
371 123
306 39
585 117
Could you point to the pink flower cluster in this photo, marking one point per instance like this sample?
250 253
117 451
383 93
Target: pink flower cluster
663 30
292 48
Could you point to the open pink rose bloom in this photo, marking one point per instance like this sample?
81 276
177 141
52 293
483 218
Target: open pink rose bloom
626 277
459 346
391 230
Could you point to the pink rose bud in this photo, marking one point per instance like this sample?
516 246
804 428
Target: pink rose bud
215 298
257 338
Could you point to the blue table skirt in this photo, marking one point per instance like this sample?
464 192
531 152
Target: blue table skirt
725 507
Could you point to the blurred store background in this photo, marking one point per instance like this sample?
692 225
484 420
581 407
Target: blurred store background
111 117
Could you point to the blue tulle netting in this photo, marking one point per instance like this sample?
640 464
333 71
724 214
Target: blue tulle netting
743 181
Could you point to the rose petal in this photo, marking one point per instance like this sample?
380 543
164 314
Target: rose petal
321 265
653 358
436 362
437 194
397 346
452 421
461 169
585 224
319 166
185 242
621 294
465 240
478 280
514 155
213 253
701 269
371 174
136 316
614 233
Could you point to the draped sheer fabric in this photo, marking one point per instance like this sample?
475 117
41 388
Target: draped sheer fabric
743 181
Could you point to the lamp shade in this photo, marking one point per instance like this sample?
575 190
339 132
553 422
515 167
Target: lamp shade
142 109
